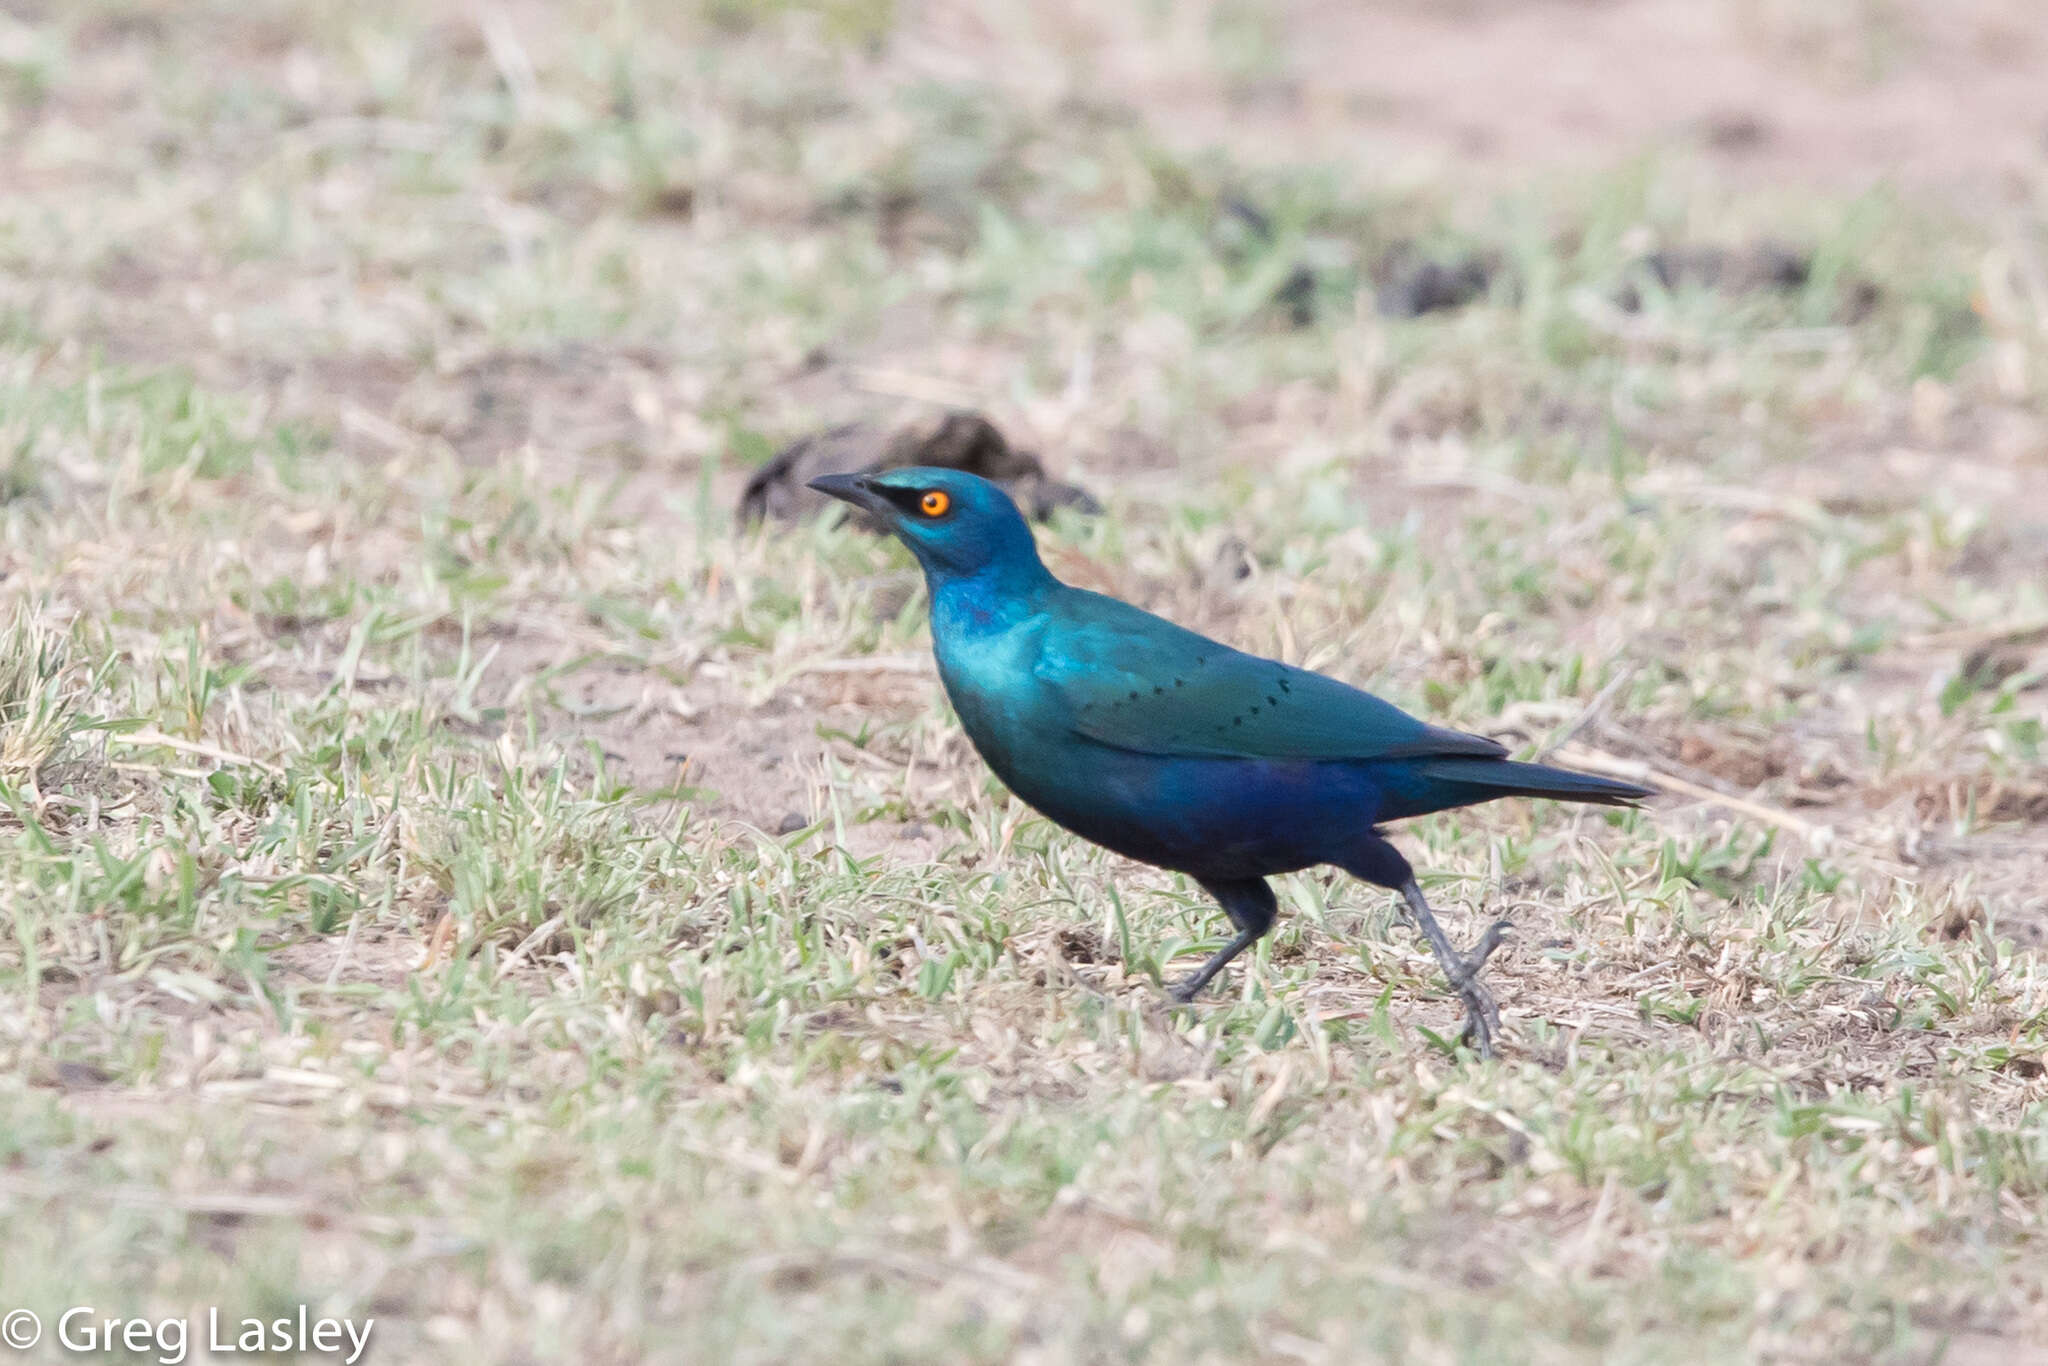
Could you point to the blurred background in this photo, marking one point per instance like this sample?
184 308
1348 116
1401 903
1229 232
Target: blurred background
681 231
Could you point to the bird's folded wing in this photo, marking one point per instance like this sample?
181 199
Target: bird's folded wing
1138 682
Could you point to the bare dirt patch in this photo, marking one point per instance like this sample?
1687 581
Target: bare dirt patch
1923 93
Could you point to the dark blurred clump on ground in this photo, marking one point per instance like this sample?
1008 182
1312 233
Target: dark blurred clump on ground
1754 268
954 440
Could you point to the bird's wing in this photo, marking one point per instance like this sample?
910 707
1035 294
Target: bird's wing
1138 682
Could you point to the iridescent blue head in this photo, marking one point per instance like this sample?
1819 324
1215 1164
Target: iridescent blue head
959 525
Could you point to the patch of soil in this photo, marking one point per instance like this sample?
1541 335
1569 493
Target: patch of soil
1739 763
1983 799
1083 944
1929 93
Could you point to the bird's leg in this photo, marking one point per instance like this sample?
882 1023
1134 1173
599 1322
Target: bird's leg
1187 991
1250 904
1482 1016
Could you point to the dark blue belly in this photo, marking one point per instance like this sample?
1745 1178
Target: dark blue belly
1213 818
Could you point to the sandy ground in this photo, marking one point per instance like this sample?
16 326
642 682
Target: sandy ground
1924 95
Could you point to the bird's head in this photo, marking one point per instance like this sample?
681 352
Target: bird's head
957 524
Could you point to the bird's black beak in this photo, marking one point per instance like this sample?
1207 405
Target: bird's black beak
856 489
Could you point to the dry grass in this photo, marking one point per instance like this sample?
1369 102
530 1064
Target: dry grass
452 876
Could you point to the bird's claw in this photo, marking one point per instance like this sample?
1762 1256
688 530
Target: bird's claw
1482 1017
1482 1013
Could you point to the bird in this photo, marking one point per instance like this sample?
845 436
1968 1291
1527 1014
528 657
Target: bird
1179 751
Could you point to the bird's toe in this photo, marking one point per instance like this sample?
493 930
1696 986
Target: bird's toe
1482 1018
1495 935
1473 963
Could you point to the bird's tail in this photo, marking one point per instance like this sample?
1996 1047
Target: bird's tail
1490 778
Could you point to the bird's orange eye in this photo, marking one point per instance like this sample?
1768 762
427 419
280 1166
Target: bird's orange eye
934 504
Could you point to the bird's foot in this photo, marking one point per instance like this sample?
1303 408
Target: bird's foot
1482 1013
1482 1018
